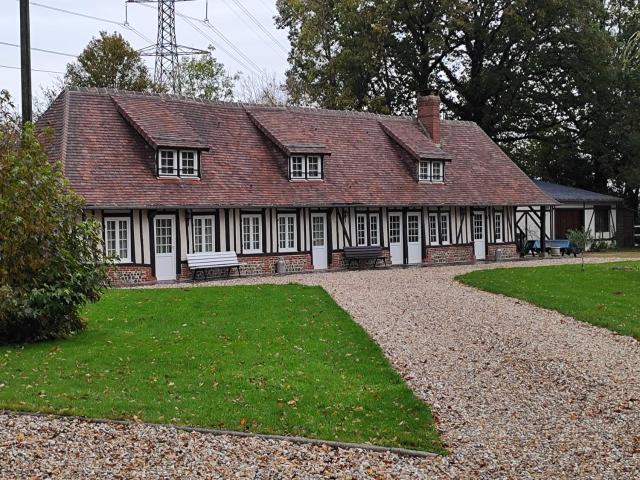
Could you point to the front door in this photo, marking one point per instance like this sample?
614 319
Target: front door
395 239
568 219
165 247
414 238
479 243
319 240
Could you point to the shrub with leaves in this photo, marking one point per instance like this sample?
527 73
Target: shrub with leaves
580 238
50 260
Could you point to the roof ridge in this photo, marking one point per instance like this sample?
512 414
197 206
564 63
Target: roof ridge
237 104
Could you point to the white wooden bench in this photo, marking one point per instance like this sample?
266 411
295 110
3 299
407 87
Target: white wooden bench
210 260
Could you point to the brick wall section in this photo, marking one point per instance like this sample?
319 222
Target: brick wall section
448 254
127 275
509 251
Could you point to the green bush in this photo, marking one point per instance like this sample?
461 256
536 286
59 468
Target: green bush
50 256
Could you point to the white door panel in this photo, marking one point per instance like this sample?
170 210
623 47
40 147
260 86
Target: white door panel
414 238
319 240
479 237
395 239
165 246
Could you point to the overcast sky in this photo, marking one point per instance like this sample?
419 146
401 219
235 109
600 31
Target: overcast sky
66 33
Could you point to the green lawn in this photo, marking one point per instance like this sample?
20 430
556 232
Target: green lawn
606 294
270 359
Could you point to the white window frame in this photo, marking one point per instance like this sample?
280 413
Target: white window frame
427 176
425 171
377 217
317 158
362 236
251 217
498 220
175 163
195 163
444 220
440 178
303 163
202 218
294 226
434 230
117 221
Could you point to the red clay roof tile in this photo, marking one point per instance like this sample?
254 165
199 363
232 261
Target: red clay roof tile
112 164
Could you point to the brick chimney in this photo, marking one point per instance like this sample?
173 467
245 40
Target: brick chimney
429 115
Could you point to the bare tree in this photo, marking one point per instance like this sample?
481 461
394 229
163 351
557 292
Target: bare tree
265 89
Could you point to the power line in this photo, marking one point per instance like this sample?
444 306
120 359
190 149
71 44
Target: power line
33 69
54 52
217 45
252 28
260 26
92 17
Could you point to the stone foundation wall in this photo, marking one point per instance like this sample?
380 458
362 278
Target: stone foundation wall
448 254
509 251
127 275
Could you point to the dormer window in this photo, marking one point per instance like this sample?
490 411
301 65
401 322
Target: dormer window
178 163
305 167
431 171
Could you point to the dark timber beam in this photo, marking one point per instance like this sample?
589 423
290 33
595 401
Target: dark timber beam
543 230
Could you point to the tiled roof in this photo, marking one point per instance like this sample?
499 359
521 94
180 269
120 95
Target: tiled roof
410 136
162 125
111 163
562 193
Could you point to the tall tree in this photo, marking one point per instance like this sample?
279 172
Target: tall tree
206 78
110 61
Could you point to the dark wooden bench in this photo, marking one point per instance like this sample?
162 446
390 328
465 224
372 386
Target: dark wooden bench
357 254
211 260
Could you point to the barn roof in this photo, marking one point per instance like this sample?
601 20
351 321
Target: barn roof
565 194
107 142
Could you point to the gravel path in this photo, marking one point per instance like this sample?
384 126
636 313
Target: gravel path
518 392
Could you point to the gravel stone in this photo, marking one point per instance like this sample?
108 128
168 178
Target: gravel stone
517 392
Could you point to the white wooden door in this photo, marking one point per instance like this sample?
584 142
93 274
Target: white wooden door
414 238
395 239
165 246
319 240
479 237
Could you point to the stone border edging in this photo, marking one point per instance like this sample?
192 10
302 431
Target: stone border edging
213 431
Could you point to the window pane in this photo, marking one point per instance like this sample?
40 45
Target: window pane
188 163
433 229
498 226
423 172
394 229
444 227
313 167
361 229
297 167
413 228
167 162
478 226
373 229
286 232
317 231
436 171
110 236
164 237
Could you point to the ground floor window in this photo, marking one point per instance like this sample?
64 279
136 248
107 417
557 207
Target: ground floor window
116 238
203 230
444 227
287 232
498 226
252 233
602 215
367 229
433 228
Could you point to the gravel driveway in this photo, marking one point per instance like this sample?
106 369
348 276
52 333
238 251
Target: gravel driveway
518 392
